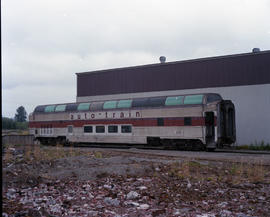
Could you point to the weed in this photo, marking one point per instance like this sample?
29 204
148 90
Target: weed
98 154
37 153
256 173
210 179
194 164
257 146
27 153
235 173
8 157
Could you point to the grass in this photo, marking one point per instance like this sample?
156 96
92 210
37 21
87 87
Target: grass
257 146
98 154
233 173
38 153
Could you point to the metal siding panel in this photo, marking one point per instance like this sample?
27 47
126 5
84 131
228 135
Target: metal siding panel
246 69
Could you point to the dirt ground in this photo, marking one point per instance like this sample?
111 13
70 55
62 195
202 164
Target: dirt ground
56 181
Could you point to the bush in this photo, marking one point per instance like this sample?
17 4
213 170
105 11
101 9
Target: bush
10 124
21 125
262 146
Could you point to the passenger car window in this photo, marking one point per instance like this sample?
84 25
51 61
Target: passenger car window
100 129
174 100
60 108
142 102
96 106
71 107
193 99
213 98
126 129
83 106
113 129
70 129
156 101
124 103
49 108
40 108
110 105
88 129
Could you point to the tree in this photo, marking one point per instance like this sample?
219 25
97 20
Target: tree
21 114
8 123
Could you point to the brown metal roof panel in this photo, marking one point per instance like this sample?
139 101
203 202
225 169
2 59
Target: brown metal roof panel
215 72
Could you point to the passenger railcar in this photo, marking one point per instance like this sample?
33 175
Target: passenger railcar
199 120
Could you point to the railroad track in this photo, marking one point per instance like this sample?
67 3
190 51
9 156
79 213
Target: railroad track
120 146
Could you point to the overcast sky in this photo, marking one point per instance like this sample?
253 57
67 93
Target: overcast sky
45 42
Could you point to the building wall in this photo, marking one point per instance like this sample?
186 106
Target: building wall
222 71
252 105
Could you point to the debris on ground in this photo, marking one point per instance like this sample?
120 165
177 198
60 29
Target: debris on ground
110 184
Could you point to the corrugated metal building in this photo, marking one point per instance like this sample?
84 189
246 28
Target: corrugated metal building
242 78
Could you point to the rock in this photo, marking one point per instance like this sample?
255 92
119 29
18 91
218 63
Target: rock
225 213
158 212
132 195
184 210
176 212
220 191
205 203
11 191
144 206
92 213
90 196
19 156
222 205
86 187
34 213
55 208
107 186
142 187
111 202
23 213
132 203
11 196
241 215
99 206
12 149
